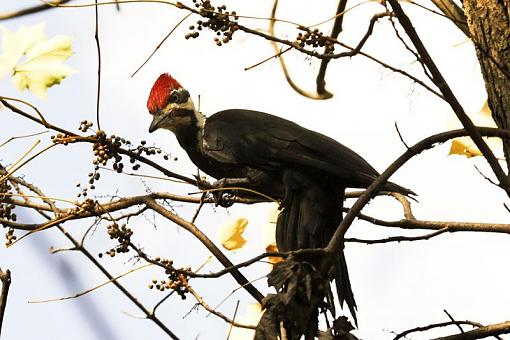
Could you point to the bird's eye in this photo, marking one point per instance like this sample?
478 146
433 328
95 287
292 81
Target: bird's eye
173 98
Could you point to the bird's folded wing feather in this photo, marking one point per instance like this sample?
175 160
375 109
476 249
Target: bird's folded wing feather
264 141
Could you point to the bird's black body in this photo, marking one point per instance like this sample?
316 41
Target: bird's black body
306 170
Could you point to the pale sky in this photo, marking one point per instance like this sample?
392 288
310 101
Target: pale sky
397 286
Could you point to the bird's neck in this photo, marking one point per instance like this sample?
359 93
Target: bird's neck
190 136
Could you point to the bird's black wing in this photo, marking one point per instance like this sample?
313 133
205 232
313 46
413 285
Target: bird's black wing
264 141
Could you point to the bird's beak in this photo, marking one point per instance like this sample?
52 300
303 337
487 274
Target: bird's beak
158 117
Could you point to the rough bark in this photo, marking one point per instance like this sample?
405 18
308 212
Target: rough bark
489 24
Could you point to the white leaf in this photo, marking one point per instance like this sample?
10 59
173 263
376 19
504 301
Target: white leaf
44 66
15 45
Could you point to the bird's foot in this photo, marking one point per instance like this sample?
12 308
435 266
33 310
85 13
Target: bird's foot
223 198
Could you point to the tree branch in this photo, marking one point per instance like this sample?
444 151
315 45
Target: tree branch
31 10
152 204
436 325
440 82
481 332
337 241
337 28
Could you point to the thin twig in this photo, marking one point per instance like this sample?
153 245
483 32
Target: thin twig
400 136
31 10
20 137
13 168
233 320
276 55
453 320
161 43
199 208
211 310
98 47
77 295
485 177
11 171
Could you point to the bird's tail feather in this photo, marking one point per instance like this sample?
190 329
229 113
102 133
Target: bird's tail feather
309 217
343 285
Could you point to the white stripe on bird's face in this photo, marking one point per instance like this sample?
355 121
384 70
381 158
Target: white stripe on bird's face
178 115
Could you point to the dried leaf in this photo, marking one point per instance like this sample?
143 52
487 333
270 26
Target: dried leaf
231 234
464 146
272 248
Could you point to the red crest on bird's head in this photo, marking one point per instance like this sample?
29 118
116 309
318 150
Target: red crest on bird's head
158 98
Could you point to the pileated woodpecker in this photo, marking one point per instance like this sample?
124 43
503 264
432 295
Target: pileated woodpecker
306 170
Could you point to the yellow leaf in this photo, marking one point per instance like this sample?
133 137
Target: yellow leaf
464 146
43 65
272 248
231 234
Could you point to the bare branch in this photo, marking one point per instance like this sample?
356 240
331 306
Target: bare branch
453 320
481 332
436 325
32 10
211 310
399 238
92 139
440 82
160 44
337 241
152 204
337 28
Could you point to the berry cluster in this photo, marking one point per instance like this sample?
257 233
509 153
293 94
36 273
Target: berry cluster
89 205
9 237
6 209
122 234
315 39
219 20
93 177
177 282
106 148
85 125
61 138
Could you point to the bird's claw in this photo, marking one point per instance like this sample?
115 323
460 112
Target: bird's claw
223 198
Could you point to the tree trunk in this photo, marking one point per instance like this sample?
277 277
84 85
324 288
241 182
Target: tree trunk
489 24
